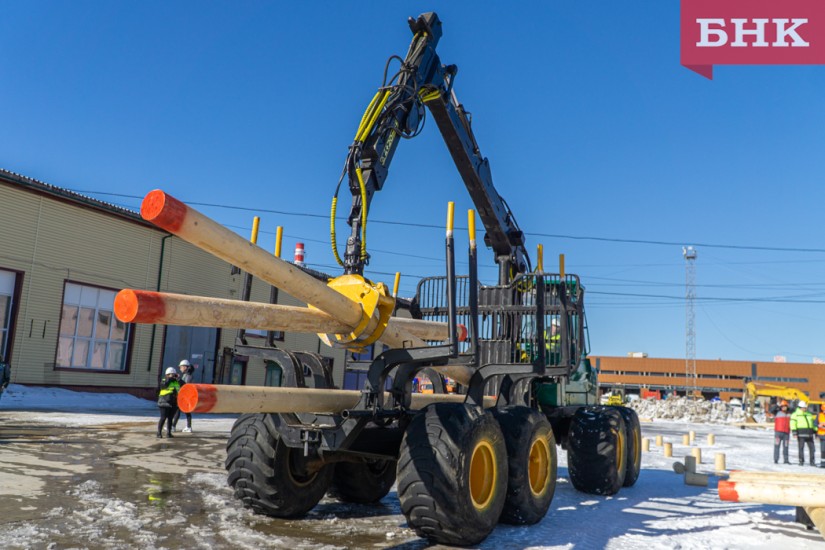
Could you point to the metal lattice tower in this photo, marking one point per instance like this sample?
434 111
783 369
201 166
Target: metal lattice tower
690 319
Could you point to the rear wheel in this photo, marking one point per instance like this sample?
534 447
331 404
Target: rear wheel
597 451
269 477
532 464
452 474
363 482
633 438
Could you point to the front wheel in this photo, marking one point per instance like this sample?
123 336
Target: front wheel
269 477
452 474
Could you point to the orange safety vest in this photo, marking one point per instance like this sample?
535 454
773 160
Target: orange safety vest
820 421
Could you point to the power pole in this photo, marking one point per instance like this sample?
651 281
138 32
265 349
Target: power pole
689 253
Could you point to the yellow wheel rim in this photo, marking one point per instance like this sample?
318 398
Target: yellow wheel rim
538 469
620 453
483 474
298 480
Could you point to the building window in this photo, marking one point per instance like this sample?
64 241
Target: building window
7 284
91 337
274 374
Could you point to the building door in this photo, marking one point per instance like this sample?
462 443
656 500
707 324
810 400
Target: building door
197 344
8 280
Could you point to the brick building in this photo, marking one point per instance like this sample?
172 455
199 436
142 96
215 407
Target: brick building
725 379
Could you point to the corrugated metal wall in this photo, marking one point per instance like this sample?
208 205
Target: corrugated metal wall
52 240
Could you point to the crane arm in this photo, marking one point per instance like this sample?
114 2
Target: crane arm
397 111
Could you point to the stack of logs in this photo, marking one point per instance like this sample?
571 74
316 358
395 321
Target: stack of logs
333 313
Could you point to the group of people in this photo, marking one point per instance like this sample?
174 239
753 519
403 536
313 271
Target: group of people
168 398
804 425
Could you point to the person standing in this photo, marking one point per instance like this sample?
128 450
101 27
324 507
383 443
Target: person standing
781 432
185 377
803 425
820 432
168 400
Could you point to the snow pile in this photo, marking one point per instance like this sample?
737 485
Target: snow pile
18 396
682 409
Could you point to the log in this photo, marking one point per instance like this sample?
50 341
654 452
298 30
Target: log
209 398
696 480
777 493
817 516
667 449
772 477
719 463
163 308
170 214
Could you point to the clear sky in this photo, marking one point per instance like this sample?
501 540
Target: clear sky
606 149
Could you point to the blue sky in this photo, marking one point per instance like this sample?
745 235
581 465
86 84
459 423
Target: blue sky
606 149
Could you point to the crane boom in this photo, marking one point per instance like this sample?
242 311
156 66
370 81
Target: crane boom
397 111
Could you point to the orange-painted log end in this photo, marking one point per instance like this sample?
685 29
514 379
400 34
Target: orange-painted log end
198 398
461 333
727 491
139 306
163 210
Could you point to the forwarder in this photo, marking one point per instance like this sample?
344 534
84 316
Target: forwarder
462 462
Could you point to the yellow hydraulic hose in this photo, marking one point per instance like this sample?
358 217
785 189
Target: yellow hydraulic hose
332 231
363 187
365 131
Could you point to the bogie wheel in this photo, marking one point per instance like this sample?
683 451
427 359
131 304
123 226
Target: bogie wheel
533 464
269 477
633 437
452 474
363 482
597 450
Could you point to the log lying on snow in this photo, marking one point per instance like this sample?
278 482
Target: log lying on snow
783 489
779 492
210 398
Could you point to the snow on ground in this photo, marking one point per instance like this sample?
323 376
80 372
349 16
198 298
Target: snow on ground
190 506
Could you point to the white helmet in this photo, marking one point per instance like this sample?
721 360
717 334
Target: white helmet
803 405
171 370
185 363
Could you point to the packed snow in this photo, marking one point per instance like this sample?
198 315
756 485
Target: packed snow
190 506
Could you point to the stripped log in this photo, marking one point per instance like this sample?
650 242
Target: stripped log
779 493
771 477
209 398
143 306
817 516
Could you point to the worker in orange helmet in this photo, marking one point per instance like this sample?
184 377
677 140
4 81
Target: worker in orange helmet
820 433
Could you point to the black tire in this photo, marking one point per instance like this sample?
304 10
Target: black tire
268 476
633 439
452 474
532 463
597 452
363 482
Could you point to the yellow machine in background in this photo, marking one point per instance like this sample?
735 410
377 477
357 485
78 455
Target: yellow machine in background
755 390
